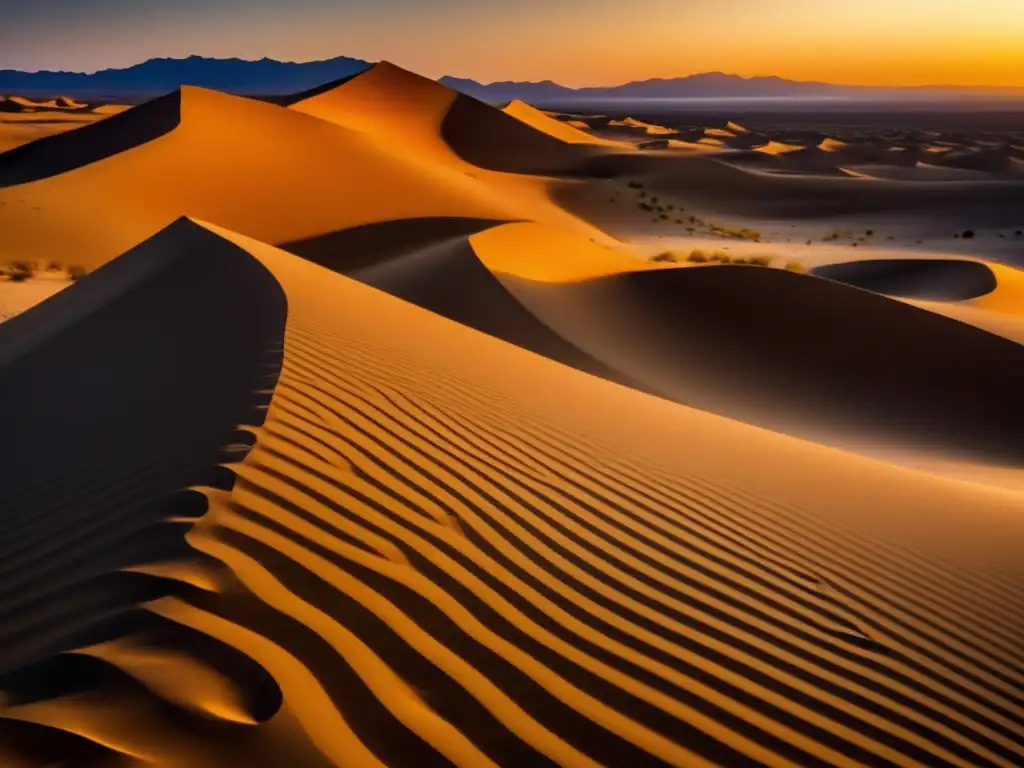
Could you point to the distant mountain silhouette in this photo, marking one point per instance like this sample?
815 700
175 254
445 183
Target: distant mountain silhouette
159 76
707 85
268 77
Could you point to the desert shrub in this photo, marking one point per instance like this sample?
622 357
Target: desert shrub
697 256
77 273
20 270
662 215
635 185
762 261
645 207
722 257
679 221
54 266
968 233
795 266
869 232
1018 233
667 256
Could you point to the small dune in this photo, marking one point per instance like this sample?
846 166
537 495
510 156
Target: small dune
556 128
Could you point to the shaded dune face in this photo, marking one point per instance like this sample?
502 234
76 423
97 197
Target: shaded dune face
488 138
54 155
449 279
927 279
350 251
117 396
806 357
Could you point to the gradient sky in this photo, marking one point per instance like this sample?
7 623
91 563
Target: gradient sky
575 42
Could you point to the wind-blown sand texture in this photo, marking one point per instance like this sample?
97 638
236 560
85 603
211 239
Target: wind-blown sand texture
431 489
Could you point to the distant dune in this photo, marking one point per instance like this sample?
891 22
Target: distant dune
562 131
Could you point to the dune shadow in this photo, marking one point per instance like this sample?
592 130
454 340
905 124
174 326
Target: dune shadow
90 143
927 279
350 250
799 355
117 395
488 138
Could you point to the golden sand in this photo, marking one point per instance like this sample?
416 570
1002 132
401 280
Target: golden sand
450 502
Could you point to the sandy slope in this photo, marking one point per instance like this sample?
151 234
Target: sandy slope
15 298
469 515
409 572
549 125
266 170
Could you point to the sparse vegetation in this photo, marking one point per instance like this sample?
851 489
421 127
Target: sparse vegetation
666 256
635 185
795 266
77 273
869 232
1018 233
19 271
762 261
740 234
645 207
697 256
968 234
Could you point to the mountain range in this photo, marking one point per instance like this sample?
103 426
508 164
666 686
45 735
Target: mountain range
270 77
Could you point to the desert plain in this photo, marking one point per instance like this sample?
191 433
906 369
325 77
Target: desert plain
380 426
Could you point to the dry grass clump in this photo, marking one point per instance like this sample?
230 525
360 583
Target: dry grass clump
19 271
741 233
795 266
666 257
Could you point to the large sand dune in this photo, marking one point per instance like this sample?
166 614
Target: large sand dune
408 572
272 172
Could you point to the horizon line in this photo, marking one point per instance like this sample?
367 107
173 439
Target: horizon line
979 87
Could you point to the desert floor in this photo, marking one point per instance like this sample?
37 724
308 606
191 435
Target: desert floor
386 427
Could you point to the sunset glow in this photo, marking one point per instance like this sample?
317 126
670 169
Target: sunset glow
870 42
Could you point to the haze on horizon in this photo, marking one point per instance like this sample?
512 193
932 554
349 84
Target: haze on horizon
872 42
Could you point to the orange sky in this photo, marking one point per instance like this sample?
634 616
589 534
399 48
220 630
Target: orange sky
576 42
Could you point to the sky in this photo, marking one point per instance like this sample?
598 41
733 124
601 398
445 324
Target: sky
574 42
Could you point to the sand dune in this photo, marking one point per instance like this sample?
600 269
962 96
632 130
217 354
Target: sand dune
408 572
259 168
427 119
552 127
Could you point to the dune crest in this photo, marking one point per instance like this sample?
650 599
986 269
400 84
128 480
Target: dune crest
533 117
